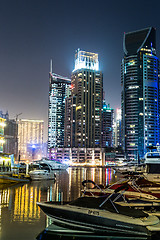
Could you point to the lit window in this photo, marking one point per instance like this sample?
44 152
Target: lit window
132 144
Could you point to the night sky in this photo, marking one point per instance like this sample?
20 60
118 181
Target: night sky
34 31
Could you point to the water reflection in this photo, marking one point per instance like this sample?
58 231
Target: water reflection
22 219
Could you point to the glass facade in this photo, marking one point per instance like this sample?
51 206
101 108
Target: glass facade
59 89
140 92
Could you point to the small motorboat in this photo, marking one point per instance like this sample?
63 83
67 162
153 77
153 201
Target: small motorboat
128 196
101 215
137 186
44 172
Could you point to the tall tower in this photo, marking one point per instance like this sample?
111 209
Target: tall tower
59 89
140 92
87 93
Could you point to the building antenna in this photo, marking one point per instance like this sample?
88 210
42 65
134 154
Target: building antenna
51 66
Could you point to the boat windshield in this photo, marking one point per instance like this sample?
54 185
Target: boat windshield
153 155
44 166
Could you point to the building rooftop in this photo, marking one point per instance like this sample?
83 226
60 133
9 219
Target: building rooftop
86 60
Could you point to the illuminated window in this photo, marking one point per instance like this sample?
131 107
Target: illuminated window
132 144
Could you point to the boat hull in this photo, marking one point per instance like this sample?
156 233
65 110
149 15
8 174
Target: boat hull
38 175
96 220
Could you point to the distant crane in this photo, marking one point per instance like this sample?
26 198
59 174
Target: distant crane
17 115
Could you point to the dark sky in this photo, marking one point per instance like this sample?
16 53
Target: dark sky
34 31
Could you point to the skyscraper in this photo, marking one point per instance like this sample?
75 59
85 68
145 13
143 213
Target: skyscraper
87 93
59 88
140 92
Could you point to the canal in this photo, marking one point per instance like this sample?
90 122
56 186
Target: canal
22 219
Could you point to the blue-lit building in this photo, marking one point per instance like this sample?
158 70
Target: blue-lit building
140 92
59 89
87 100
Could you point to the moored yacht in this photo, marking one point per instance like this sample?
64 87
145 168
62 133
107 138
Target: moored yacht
152 169
56 165
43 171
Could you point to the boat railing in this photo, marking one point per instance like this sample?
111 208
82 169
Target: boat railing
135 186
84 183
124 187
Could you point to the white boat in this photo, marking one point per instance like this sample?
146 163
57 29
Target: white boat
43 172
152 166
129 166
55 165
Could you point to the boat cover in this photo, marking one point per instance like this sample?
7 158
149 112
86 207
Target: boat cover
95 202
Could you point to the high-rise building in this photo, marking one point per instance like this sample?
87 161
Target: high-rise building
118 129
9 131
140 92
30 139
87 95
59 89
70 113
107 125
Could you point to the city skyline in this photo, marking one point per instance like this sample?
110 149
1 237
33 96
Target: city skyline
32 33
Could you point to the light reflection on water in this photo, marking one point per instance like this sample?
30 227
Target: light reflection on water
22 219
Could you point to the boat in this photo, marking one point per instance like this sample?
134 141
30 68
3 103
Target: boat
101 215
56 165
43 172
130 166
132 196
136 187
152 166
